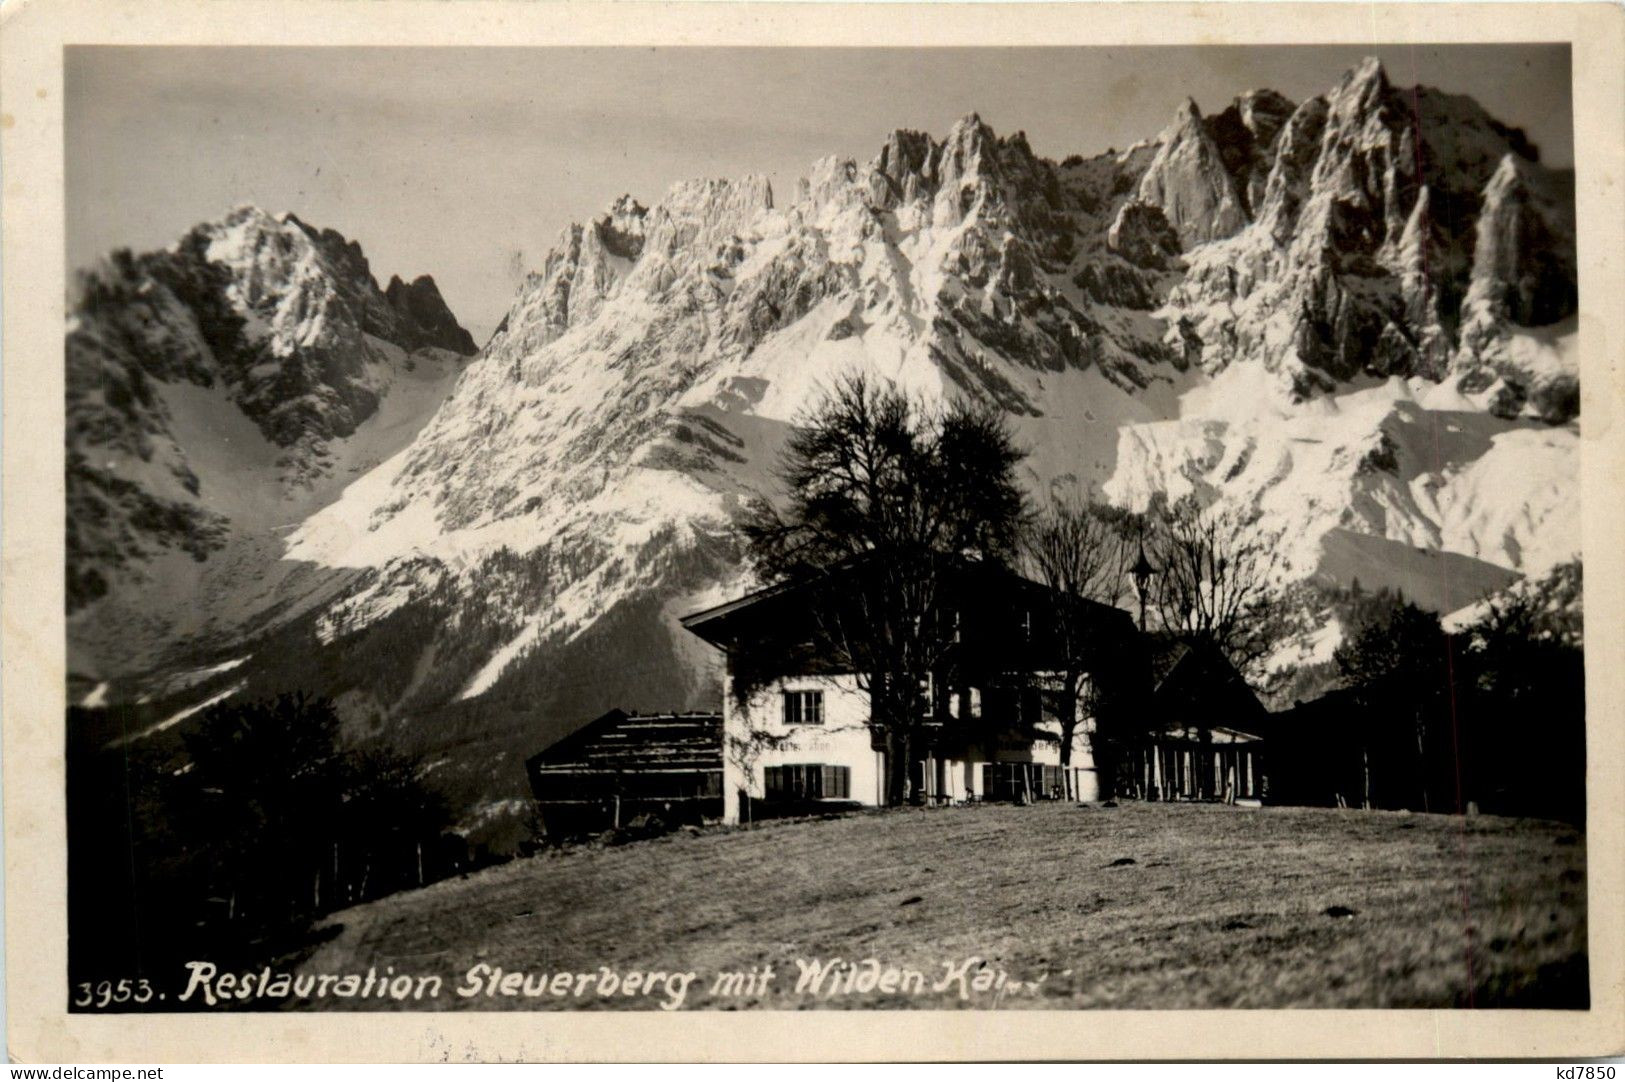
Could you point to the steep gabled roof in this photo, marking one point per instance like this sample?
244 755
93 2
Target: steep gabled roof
1192 680
713 617
722 624
618 741
1165 652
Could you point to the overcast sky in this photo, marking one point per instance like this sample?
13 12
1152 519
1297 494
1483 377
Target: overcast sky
466 163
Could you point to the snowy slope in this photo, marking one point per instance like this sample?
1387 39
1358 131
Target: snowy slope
1259 305
218 393
1407 461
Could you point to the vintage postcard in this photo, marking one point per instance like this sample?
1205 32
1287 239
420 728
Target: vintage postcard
760 531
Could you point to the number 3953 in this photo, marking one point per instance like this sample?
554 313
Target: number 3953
107 993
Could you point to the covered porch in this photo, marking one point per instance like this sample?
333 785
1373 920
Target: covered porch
1196 763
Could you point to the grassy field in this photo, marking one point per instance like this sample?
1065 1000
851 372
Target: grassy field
1142 905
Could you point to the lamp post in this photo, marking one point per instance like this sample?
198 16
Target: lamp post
1141 573
1148 770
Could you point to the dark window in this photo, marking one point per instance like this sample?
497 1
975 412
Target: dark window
807 781
970 703
804 708
1054 782
1012 781
1032 706
1000 705
793 781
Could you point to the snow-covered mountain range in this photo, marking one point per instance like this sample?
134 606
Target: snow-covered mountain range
217 392
1351 319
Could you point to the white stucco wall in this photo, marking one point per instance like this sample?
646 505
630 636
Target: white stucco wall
844 740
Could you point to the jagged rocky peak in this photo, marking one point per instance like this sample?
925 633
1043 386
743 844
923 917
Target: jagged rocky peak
968 141
1190 183
588 262
1000 179
620 228
252 319
694 218
424 311
1245 134
1372 153
268 253
315 287
1297 149
905 169
1523 281
1521 262
1141 234
711 199
345 254
1395 232
970 167
1362 89
263 251
275 310
1264 112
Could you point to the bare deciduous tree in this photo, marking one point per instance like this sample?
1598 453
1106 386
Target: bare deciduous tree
1079 548
1214 581
876 477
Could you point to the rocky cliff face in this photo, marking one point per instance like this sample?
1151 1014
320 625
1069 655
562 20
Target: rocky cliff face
1350 318
1366 242
221 385
424 317
1191 182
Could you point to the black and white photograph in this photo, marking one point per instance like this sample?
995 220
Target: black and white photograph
700 528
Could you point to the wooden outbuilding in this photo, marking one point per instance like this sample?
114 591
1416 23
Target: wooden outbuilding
1203 740
623 768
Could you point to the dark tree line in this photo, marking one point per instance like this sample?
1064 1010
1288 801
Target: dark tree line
1490 716
233 838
